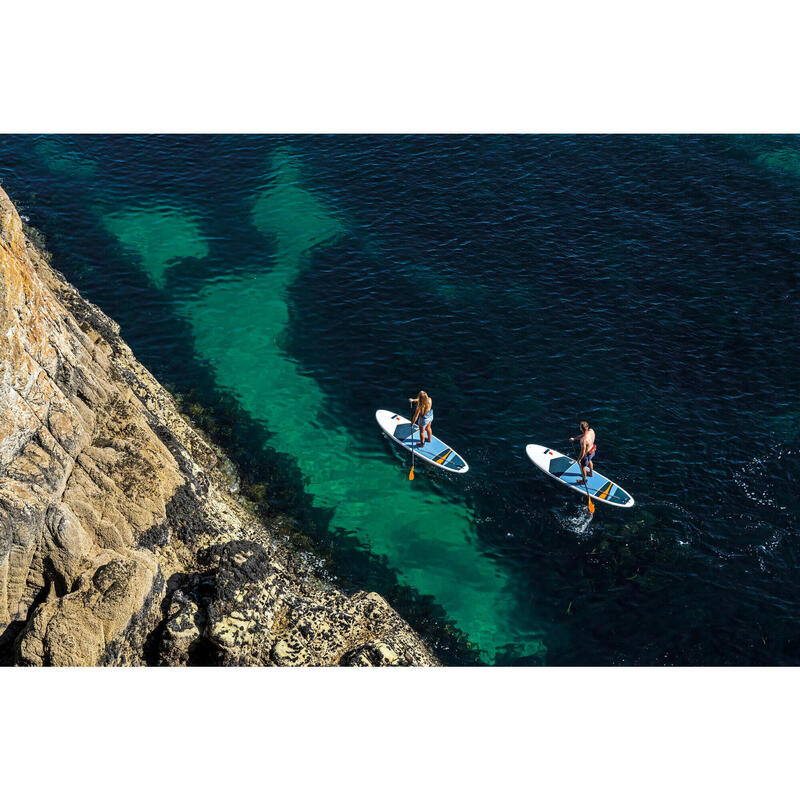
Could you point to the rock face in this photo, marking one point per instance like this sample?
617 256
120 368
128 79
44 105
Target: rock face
120 542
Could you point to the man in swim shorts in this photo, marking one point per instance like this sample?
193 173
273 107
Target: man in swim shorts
588 449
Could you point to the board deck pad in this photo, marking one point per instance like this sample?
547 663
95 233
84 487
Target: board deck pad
435 452
567 471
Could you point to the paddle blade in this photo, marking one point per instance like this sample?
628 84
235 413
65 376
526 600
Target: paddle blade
591 506
411 474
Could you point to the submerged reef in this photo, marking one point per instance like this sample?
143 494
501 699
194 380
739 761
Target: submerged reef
122 537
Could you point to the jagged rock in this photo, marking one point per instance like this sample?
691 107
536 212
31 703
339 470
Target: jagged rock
183 630
120 540
374 654
247 608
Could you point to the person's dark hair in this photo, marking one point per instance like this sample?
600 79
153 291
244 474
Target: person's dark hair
584 426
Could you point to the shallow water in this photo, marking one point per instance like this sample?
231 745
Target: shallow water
648 284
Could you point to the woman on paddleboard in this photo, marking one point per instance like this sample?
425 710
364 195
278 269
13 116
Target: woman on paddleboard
425 414
588 448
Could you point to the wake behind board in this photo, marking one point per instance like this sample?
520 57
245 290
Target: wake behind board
435 452
567 471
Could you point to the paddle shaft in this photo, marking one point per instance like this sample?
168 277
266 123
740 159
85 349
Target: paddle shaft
585 483
411 474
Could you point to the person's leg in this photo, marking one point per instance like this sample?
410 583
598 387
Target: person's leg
591 464
428 430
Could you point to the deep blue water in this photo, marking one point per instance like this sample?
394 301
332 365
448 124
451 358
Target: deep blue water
649 284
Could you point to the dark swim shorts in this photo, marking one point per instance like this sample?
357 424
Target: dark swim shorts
587 458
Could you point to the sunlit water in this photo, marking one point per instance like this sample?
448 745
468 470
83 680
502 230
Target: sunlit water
649 284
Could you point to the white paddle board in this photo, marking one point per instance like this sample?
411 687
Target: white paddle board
567 471
435 452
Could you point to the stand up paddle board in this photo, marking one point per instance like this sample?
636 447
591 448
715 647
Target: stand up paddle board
567 471
435 452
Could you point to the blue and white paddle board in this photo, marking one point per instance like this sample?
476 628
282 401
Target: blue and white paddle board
567 471
435 452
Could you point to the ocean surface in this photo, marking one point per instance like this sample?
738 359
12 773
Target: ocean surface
286 287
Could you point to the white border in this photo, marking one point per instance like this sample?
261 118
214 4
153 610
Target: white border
513 732
433 66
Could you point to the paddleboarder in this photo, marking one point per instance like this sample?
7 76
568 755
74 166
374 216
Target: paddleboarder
588 449
424 413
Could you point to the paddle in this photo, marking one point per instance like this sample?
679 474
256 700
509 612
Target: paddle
411 474
585 483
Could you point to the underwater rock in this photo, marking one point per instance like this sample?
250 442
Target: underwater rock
121 540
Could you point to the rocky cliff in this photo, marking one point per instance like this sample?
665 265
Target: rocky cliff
120 540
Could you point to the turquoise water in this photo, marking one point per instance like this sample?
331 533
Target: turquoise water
427 535
296 284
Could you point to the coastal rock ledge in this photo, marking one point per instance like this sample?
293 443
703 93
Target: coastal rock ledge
120 540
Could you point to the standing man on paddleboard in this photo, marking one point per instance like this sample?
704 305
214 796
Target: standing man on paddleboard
588 449
425 414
